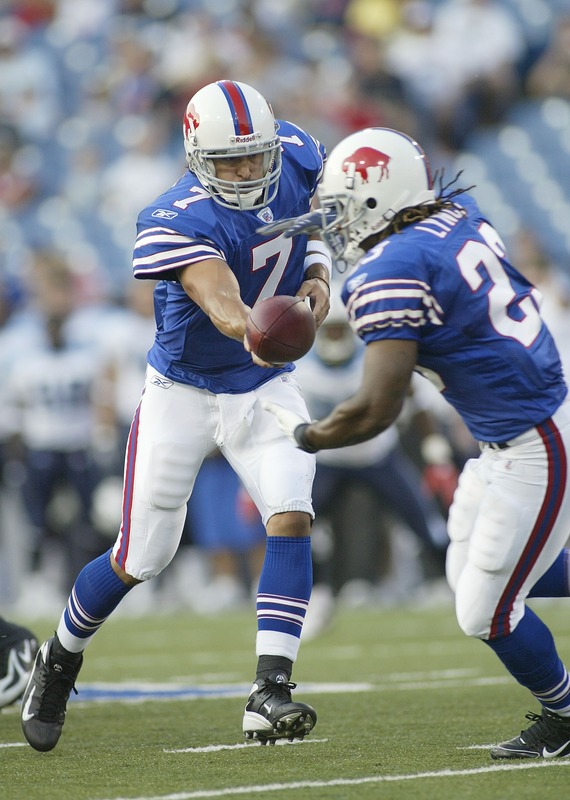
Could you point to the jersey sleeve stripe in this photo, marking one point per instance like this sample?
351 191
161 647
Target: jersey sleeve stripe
171 266
393 303
160 238
387 294
153 251
194 253
394 318
393 282
157 230
163 236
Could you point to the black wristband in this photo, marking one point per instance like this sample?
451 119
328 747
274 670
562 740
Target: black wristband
302 443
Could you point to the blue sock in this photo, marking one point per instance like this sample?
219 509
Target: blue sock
554 582
96 593
529 654
285 585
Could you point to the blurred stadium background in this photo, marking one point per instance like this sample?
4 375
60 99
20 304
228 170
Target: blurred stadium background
92 94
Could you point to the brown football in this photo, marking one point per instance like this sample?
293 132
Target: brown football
280 329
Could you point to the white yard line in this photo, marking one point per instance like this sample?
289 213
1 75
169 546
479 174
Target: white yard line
234 791
478 746
215 748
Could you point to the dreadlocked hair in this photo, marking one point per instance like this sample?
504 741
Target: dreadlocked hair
443 202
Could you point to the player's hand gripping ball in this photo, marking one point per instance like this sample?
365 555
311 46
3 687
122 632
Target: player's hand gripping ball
280 329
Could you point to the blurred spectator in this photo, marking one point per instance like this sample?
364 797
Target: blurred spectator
550 75
486 42
459 61
376 19
413 56
81 184
330 12
140 173
34 13
125 343
30 89
48 392
12 337
19 179
133 87
189 52
75 19
376 88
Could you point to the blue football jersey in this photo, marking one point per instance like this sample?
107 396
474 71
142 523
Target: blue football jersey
184 225
447 283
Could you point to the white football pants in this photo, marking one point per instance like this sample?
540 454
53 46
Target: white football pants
509 520
175 427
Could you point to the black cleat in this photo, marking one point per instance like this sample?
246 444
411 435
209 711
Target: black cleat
45 699
18 648
547 737
270 714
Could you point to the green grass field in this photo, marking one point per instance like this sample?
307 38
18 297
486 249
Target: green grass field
407 707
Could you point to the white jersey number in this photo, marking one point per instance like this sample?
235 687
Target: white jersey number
474 255
262 253
198 193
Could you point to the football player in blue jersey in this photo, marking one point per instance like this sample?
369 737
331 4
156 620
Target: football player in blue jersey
204 390
434 291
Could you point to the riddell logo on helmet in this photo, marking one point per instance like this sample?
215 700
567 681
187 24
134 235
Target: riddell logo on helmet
250 137
369 163
191 119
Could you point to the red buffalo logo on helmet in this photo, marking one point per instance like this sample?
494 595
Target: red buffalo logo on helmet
363 160
191 119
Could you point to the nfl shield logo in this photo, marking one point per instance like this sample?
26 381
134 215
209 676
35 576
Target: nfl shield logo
265 215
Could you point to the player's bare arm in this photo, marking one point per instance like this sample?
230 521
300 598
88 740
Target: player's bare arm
213 286
388 367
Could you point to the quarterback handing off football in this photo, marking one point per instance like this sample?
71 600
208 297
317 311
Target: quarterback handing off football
280 329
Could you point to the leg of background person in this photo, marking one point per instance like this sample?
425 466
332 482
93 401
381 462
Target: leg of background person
398 483
42 471
84 542
326 487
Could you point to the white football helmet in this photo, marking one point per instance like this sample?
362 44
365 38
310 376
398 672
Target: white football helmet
229 119
370 176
